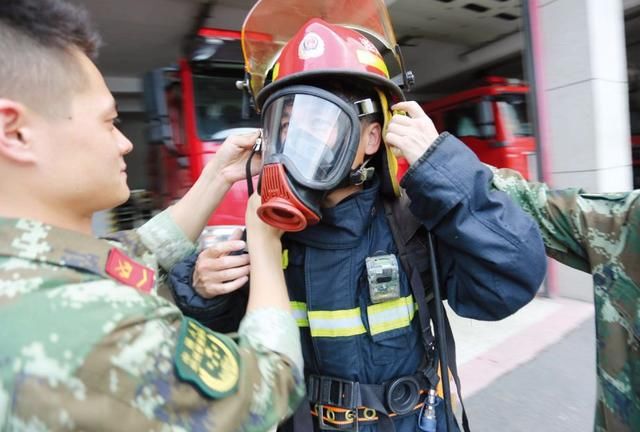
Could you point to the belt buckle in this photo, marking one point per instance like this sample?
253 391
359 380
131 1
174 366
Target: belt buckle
353 427
333 391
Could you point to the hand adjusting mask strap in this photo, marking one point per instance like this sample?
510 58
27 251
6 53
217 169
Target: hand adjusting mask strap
311 138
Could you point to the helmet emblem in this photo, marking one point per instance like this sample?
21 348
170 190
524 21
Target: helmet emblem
312 46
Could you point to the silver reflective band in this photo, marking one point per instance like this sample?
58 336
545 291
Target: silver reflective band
366 106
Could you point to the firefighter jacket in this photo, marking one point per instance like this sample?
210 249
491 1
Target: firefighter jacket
491 261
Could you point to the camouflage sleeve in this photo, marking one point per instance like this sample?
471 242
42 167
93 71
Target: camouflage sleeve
129 362
575 226
164 238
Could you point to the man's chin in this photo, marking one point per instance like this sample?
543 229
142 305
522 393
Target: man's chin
122 197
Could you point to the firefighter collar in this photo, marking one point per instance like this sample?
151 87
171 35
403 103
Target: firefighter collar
207 359
343 226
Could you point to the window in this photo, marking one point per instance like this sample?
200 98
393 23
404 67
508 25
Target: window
218 107
471 119
513 112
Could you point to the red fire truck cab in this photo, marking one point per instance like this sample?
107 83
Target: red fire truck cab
191 109
492 120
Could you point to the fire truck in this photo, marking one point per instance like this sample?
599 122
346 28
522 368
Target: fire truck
191 109
492 120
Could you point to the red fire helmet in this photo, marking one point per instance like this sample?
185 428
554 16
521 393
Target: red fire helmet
323 50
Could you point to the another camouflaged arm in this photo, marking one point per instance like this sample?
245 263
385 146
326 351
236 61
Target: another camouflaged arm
146 368
576 227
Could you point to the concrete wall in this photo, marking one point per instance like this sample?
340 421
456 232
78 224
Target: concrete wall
585 91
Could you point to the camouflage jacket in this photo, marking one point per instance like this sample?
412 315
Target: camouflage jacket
86 343
599 234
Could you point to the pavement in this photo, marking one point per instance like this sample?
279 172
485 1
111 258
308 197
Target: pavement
533 371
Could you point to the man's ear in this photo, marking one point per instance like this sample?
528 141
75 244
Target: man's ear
373 135
15 143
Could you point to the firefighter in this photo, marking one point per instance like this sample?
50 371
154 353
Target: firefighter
329 180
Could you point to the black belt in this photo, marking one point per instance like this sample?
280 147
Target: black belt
335 402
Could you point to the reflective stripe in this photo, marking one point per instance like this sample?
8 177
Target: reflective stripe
391 315
368 58
387 316
338 323
299 312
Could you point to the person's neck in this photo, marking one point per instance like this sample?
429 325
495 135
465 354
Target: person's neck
58 217
337 196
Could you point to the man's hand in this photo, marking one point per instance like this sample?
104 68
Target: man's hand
231 159
216 272
413 133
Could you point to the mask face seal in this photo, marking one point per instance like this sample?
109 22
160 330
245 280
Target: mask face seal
311 138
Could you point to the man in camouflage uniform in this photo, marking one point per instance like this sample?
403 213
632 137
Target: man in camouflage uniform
598 234
86 341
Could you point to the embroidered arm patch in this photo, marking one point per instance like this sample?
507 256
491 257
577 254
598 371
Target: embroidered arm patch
207 359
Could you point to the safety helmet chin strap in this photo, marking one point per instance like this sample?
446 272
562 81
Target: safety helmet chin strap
257 148
363 173
389 174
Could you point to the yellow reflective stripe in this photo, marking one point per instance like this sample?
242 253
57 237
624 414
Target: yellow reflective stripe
338 323
383 317
391 315
299 312
370 59
342 332
285 259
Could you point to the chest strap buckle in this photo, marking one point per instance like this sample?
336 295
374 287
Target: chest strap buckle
325 390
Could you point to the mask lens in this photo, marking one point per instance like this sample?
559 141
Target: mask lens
309 134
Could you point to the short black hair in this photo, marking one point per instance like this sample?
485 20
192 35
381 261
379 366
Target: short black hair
38 39
53 23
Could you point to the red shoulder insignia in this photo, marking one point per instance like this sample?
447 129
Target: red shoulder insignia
129 272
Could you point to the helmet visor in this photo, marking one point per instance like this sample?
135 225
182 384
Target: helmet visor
315 138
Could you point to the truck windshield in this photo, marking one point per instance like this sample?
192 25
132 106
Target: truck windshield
471 119
513 111
218 106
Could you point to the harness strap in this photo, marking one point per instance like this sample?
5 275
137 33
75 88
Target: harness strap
451 346
335 401
345 419
394 212
404 227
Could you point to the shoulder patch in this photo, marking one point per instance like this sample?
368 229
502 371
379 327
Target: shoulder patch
207 359
129 272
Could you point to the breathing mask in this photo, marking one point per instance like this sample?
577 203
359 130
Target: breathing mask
310 141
